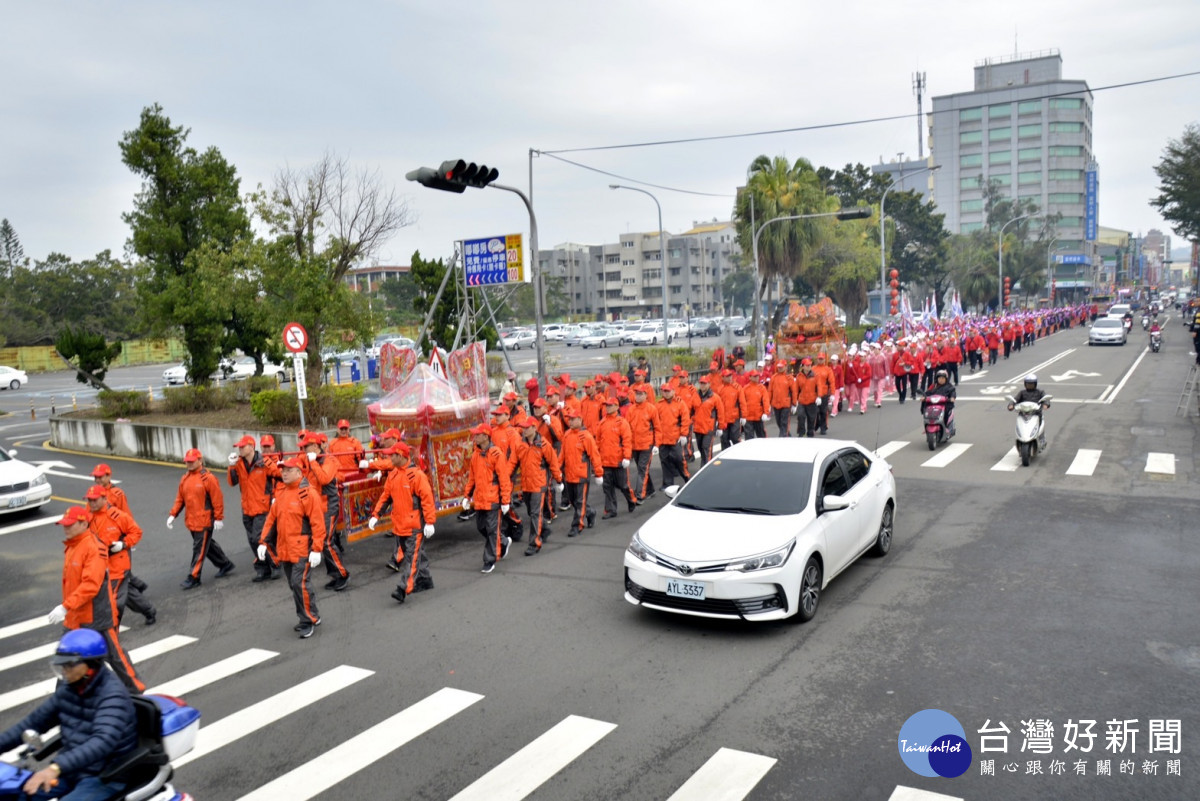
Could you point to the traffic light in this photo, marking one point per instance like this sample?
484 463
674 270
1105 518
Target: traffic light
455 176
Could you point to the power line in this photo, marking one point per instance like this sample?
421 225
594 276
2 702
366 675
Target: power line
632 180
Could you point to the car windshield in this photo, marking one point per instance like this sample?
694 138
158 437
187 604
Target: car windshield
1109 323
4 457
748 487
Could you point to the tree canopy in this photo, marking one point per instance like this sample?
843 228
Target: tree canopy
1178 172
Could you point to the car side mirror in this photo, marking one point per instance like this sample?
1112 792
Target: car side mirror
831 503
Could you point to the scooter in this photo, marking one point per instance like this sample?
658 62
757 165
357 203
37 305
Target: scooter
935 429
1155 341
1145 323
166 730
1031 427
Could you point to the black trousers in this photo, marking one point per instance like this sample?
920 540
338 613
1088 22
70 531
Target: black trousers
616 479
754 429
952 369
302 593
487 523
783 420
534 511
807 425
203 545
671 459
823 413
643 484
414 564
254 526
576 494
731 434
333 562
704 444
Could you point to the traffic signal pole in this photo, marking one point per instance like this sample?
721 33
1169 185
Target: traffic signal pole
535 274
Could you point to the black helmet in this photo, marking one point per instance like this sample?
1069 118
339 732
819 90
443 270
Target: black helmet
1031 381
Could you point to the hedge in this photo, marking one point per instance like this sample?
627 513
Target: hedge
126 403
279 407
182 400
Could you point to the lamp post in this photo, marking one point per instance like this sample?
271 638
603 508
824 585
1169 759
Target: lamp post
1000 247
853 213
882 248
662 253
1050 271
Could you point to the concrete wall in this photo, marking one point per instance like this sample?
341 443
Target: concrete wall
163 443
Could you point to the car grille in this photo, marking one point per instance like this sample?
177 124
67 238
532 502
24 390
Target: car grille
18 487
713 606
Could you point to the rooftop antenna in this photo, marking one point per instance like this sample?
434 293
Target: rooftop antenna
919 89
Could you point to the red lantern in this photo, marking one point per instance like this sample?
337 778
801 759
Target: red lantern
894 273
895 309
894 284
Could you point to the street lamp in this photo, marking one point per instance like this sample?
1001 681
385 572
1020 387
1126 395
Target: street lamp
662 254
882 248
1050 271
852 213
1000 247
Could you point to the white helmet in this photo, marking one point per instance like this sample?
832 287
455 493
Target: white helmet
1031 379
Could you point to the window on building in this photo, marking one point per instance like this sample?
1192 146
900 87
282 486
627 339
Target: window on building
1001 178
971 160
1000 157
971 182
966 228
1029 177
999 134
1064 175
628 281
1035 196
969 114
1065 197
627 243
1070 222
675 290
970 137
1002 110
1066 102
612 276
675 270
651 275
651 255
676 252
1066 127
612 258
1025 131
1066 150
970 205
1029 154
1030 107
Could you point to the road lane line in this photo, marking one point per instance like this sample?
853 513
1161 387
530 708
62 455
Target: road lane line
13 629
215 672
31 692
34 654
27 525
1128 374
254 717
948 454
1010 462
1163 463
887 449
728 775
1037 368
532 766
902 793
1084 463
332 767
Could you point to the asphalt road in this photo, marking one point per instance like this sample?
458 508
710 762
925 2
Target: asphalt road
1011 595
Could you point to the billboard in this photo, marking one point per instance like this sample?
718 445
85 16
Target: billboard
494 260
1090 203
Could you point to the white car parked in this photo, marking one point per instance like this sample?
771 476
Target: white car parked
12 378
515 340
22 486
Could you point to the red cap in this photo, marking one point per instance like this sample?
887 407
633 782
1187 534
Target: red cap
740 363
511 396
666 388
753 374
572 414
612 401
640 389
102 470
96 491
572 385
501 409
683 373
530 421
539 402
246 440
310 438
394 433
343 424
482 428
267 439
636 373
677 368
295 461
703 379
75 514
726 371
806 361
400 448
192 456
552 390
820 357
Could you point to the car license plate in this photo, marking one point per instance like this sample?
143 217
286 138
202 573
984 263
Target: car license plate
685 589
17 501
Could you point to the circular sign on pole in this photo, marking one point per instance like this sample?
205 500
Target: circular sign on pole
295 338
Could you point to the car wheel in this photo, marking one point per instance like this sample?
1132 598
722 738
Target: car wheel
810 591
14 384
603 344
883 540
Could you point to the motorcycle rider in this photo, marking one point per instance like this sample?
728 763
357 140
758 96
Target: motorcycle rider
1033 394
1155 331
941 386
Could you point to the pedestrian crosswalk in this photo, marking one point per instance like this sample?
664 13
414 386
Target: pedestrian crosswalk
1084 463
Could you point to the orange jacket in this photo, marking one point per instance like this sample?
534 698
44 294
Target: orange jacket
295 524
709 414
551 432
690 396
825 380
506 438
348 451
614 440
643 384
85 592
674 421
116 497
580 456
201 494
109 525
489 478
782 390
808 388
593 412
757 401
321 474
643 423
733 402
252 478
535 459
411 497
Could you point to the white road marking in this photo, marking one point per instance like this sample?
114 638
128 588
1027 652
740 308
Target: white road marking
902 793
947 455
34 623
213 673
254 717
351 756
1010 462
532 766
34 654
728 776
1084 463
27 525
887 449
1163 463
1128 373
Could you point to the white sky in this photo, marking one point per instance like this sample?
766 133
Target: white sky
401 84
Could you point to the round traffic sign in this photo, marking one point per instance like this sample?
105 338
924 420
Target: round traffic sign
295 338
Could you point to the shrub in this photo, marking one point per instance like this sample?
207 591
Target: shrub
243 391
182 400
127 403
278 407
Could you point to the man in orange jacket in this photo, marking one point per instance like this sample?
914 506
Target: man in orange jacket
733 403
825 384
550 429
200 493
346 449
758 404
489 487
414 514
321 473
643 425
506 437
87 598
808 395
294 536
674 421
136 601
707 419
782 392
249 473
580 459
539 464
614 440
118 533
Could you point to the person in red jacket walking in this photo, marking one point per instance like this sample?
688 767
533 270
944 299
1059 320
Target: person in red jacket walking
249 473
200 494
408 492
782 391
757 409
614 441
643 423
539 464
707 419
489 488
136 601
119 533
294 536
674 421
580 460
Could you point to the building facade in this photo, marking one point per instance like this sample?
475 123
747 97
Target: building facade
369 278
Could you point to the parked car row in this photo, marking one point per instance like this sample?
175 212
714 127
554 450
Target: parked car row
228 370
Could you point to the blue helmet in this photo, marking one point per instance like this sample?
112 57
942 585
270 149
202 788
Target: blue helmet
78 646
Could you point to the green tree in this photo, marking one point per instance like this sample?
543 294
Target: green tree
186 212
971 260
1178 172
11 252
444 325
737 290
396 296
88 352
854 184
843 265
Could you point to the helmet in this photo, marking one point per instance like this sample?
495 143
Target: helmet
78 646
941 374
1031 379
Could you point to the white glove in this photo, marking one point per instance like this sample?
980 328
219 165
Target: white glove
314 559
624 463
742 421
504 507
372 523
819 401
546 419
312 457
218 525
116 547
363 464
766 417
559 487
233 458
794 410
683 441
428 531
466 504
654 451
58 614
262 553
376 476
171 521
598 481
561 404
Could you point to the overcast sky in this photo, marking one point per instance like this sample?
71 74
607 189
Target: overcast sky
397 85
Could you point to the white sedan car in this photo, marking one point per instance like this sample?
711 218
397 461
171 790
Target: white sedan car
515 340
762 529
22 486
12 378
601 338
245 367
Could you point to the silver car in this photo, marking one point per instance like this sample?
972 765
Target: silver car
601 338
1108 331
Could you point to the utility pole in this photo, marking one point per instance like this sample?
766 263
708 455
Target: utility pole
919 90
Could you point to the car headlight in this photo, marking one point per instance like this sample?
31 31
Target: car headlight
764 561
38 480
638 549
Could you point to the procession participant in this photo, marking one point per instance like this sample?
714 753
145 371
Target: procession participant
858 380
706 420
539 465
839 384
674 420
200 494
782 391
249 473
733 402
824 376
102 474
614 441
757 408
119 533
505 437
580 459
294 536
489 486
408 492
643 423
320 470
346 449
808 395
